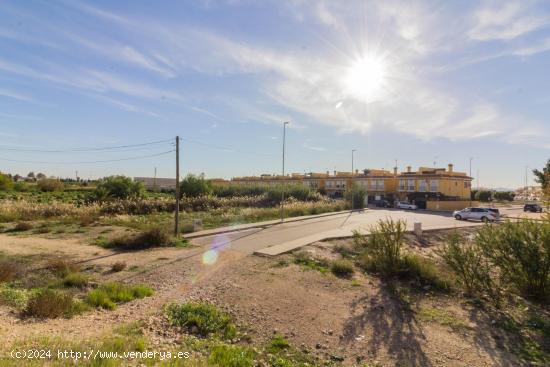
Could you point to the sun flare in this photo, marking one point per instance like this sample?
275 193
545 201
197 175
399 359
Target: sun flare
365 78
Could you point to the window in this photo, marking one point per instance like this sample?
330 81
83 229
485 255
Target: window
410 185
467 184
434 185
380 184
401 185
423 186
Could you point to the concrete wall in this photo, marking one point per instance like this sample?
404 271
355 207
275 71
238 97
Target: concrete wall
450 205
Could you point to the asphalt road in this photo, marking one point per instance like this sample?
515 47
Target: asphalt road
301 233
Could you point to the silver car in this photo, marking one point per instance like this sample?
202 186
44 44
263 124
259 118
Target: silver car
482 214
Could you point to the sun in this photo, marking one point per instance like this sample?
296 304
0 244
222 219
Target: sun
365 78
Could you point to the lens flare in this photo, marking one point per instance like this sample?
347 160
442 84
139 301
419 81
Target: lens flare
210 257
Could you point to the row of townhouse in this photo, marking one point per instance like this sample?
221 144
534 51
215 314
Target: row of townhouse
421 186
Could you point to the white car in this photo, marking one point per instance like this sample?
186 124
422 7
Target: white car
405 205
482 214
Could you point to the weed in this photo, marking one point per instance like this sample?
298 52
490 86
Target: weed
277 344
62 268
425 272
77 280
201 318
109 294
152 237
22 227
231 356
342 268
118 266
49 303
304 259
442 317
14 297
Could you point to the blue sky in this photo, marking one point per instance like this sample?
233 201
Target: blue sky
416 81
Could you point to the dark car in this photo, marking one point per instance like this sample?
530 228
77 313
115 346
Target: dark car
534 208
382 204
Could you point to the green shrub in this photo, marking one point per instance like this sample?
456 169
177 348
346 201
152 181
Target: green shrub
6 183
14 297
77 280
521 251
483 195
62 268
468 262
50 303
382 248
303 258
356 194
342 268
49 185
118 187
201 318
152 237
231 356
424 271
193 186
277 344
109 294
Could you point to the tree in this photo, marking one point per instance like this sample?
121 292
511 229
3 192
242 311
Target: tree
356 194
194 186
484 195
118 187
504 195
30 174
543 177
40 176
6 182
49 185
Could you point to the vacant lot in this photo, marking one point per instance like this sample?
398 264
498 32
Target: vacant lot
315 306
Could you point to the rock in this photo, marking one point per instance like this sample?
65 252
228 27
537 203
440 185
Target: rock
337 358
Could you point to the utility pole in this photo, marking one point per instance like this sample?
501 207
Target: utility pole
155 180
76 175
283 185
177 213
526 186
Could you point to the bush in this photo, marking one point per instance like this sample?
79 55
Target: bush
22 226
77 280
201 318
49 303
356 195
382 248
49 185
483 195
118 266
521 251
118 187
62 268
21 187
469 263
109 294
13 297
152 237
10 270
6 183
342 268
504 195
231 356
193 186
424 271
277 344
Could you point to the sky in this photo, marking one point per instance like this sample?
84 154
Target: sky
421 82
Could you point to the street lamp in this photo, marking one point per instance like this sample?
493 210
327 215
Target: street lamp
471 158
352 181
283 186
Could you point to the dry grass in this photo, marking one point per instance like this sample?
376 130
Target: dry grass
62 268
118 266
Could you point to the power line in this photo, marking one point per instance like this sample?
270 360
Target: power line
227 149
15 149
84 162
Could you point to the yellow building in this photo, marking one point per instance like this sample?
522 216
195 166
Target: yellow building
426 184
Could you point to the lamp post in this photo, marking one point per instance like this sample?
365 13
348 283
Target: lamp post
352 180
471 158
283 186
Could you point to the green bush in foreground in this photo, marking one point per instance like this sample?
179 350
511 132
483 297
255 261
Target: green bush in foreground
109 294
201 318
49 303
153 237
342 268
77 280
231 356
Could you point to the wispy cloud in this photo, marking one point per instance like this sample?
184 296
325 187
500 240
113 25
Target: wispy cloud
15 95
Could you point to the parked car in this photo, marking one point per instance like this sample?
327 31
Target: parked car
533 208
495 211
382 204
483 214
405 205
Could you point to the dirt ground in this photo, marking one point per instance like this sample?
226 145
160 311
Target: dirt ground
358 320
